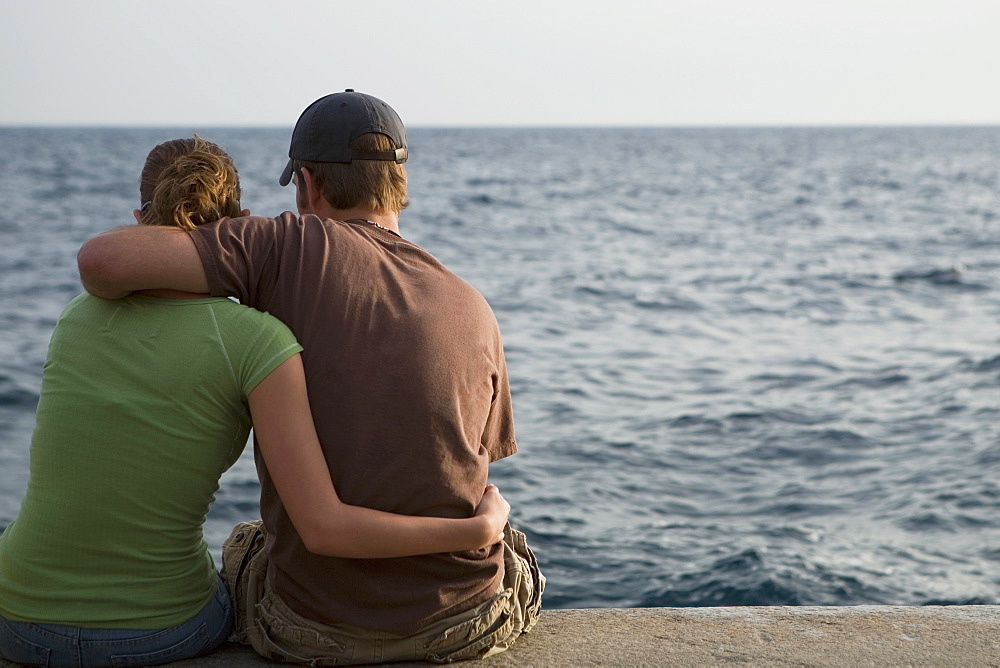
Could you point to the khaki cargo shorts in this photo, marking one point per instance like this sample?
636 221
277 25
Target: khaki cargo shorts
276 632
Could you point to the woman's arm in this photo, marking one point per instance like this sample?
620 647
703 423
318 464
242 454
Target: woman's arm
283 423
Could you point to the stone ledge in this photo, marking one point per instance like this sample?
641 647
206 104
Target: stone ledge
760 636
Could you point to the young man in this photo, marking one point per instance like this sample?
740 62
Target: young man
409 389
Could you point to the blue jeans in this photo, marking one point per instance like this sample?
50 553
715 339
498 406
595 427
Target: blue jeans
58 645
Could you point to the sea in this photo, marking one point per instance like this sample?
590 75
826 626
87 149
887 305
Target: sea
750 366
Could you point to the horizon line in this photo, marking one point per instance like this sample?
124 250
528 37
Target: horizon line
519 126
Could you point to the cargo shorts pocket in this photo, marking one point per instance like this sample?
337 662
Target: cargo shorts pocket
282 635
244 579
491 624
523 577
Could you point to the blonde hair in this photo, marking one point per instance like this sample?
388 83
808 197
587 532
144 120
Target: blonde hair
378 185
188 182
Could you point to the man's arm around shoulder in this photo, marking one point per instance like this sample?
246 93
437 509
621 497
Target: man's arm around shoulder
140 257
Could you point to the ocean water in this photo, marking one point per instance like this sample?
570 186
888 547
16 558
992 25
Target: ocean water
749 366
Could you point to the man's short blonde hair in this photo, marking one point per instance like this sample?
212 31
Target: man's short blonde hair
378 185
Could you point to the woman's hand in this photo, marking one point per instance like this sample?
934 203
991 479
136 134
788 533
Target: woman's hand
493 510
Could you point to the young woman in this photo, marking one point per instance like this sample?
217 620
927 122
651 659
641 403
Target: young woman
145 402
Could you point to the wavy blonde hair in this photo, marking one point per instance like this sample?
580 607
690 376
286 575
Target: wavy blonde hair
188 182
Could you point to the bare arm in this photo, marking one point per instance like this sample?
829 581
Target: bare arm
139 257
287 437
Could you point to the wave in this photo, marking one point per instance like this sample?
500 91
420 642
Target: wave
747 578
464 202
12 394
972 600
950 277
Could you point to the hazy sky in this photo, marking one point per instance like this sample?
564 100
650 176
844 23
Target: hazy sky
512 62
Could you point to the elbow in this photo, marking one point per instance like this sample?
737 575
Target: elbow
97 271
315 543
326 533
319 536
324 545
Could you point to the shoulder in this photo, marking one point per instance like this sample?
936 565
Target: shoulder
474 297
250 228
81 299
87 303
237 315
245 322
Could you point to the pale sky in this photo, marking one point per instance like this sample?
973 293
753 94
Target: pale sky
503 63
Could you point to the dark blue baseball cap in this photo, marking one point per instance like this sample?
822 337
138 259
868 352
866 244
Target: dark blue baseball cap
328 127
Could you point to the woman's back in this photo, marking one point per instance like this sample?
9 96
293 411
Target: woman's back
142 409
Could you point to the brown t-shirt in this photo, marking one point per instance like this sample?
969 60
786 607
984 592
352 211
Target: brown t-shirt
410 397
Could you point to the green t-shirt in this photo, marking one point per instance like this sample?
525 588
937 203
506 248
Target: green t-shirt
142 408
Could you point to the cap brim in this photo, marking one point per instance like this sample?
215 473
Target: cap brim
286 175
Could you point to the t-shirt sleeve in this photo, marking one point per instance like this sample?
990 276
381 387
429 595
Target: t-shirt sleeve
498 435
240 257
257 343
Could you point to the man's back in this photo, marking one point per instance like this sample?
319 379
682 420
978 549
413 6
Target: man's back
409 394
